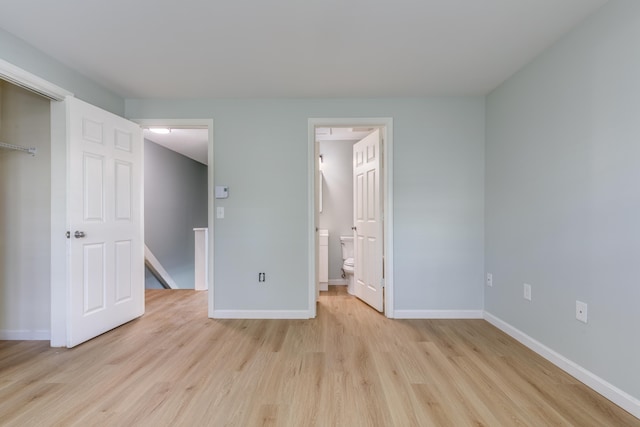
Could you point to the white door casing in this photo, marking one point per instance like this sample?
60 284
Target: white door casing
385 124
318 195
208 124
105 217
367 208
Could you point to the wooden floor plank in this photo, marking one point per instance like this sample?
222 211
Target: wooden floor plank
350 366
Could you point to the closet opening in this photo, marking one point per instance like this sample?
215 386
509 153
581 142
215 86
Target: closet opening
25 214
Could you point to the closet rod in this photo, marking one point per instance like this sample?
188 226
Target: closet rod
31 151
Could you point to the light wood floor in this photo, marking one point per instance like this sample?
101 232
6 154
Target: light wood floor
349 367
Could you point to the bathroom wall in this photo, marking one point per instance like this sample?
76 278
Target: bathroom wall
175 202
337 194
25 212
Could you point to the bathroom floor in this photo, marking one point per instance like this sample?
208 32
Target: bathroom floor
336 290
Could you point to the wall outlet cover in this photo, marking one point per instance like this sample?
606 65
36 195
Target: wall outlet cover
527 292
581 311
489 279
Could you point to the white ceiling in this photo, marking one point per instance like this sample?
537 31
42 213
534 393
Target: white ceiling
294 48
192 143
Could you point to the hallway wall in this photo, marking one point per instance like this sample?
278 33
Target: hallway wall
175 202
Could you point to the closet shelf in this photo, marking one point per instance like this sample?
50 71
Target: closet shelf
31 150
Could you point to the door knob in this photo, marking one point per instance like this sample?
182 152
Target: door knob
79 234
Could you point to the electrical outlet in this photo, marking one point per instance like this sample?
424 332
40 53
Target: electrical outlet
489 279
527 292
581 311
262 277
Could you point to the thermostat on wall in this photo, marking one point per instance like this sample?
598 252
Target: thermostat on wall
222 191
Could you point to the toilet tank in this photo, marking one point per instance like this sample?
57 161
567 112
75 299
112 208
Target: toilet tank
346 242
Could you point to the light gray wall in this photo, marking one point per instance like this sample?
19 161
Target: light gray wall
24 214
261 154
25 56
562 198
150 281
175 202
337 194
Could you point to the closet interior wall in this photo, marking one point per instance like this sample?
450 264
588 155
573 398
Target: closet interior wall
25 215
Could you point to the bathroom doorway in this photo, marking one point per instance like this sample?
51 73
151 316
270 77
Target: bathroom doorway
352 200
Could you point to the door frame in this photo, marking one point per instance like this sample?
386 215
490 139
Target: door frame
57 238
29 81
386 126
208 123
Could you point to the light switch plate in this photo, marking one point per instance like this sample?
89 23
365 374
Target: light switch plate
220 212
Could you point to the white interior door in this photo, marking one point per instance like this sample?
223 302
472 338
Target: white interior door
368 221
106 251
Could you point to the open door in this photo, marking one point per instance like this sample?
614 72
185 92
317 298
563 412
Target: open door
105 218
367 235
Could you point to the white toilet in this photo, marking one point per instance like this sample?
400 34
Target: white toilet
347 261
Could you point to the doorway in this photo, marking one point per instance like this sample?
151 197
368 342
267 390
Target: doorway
175 206
358 128
181 127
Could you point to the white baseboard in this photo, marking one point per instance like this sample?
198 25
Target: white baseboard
338 282
261 314
611 392
438 314
24 335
